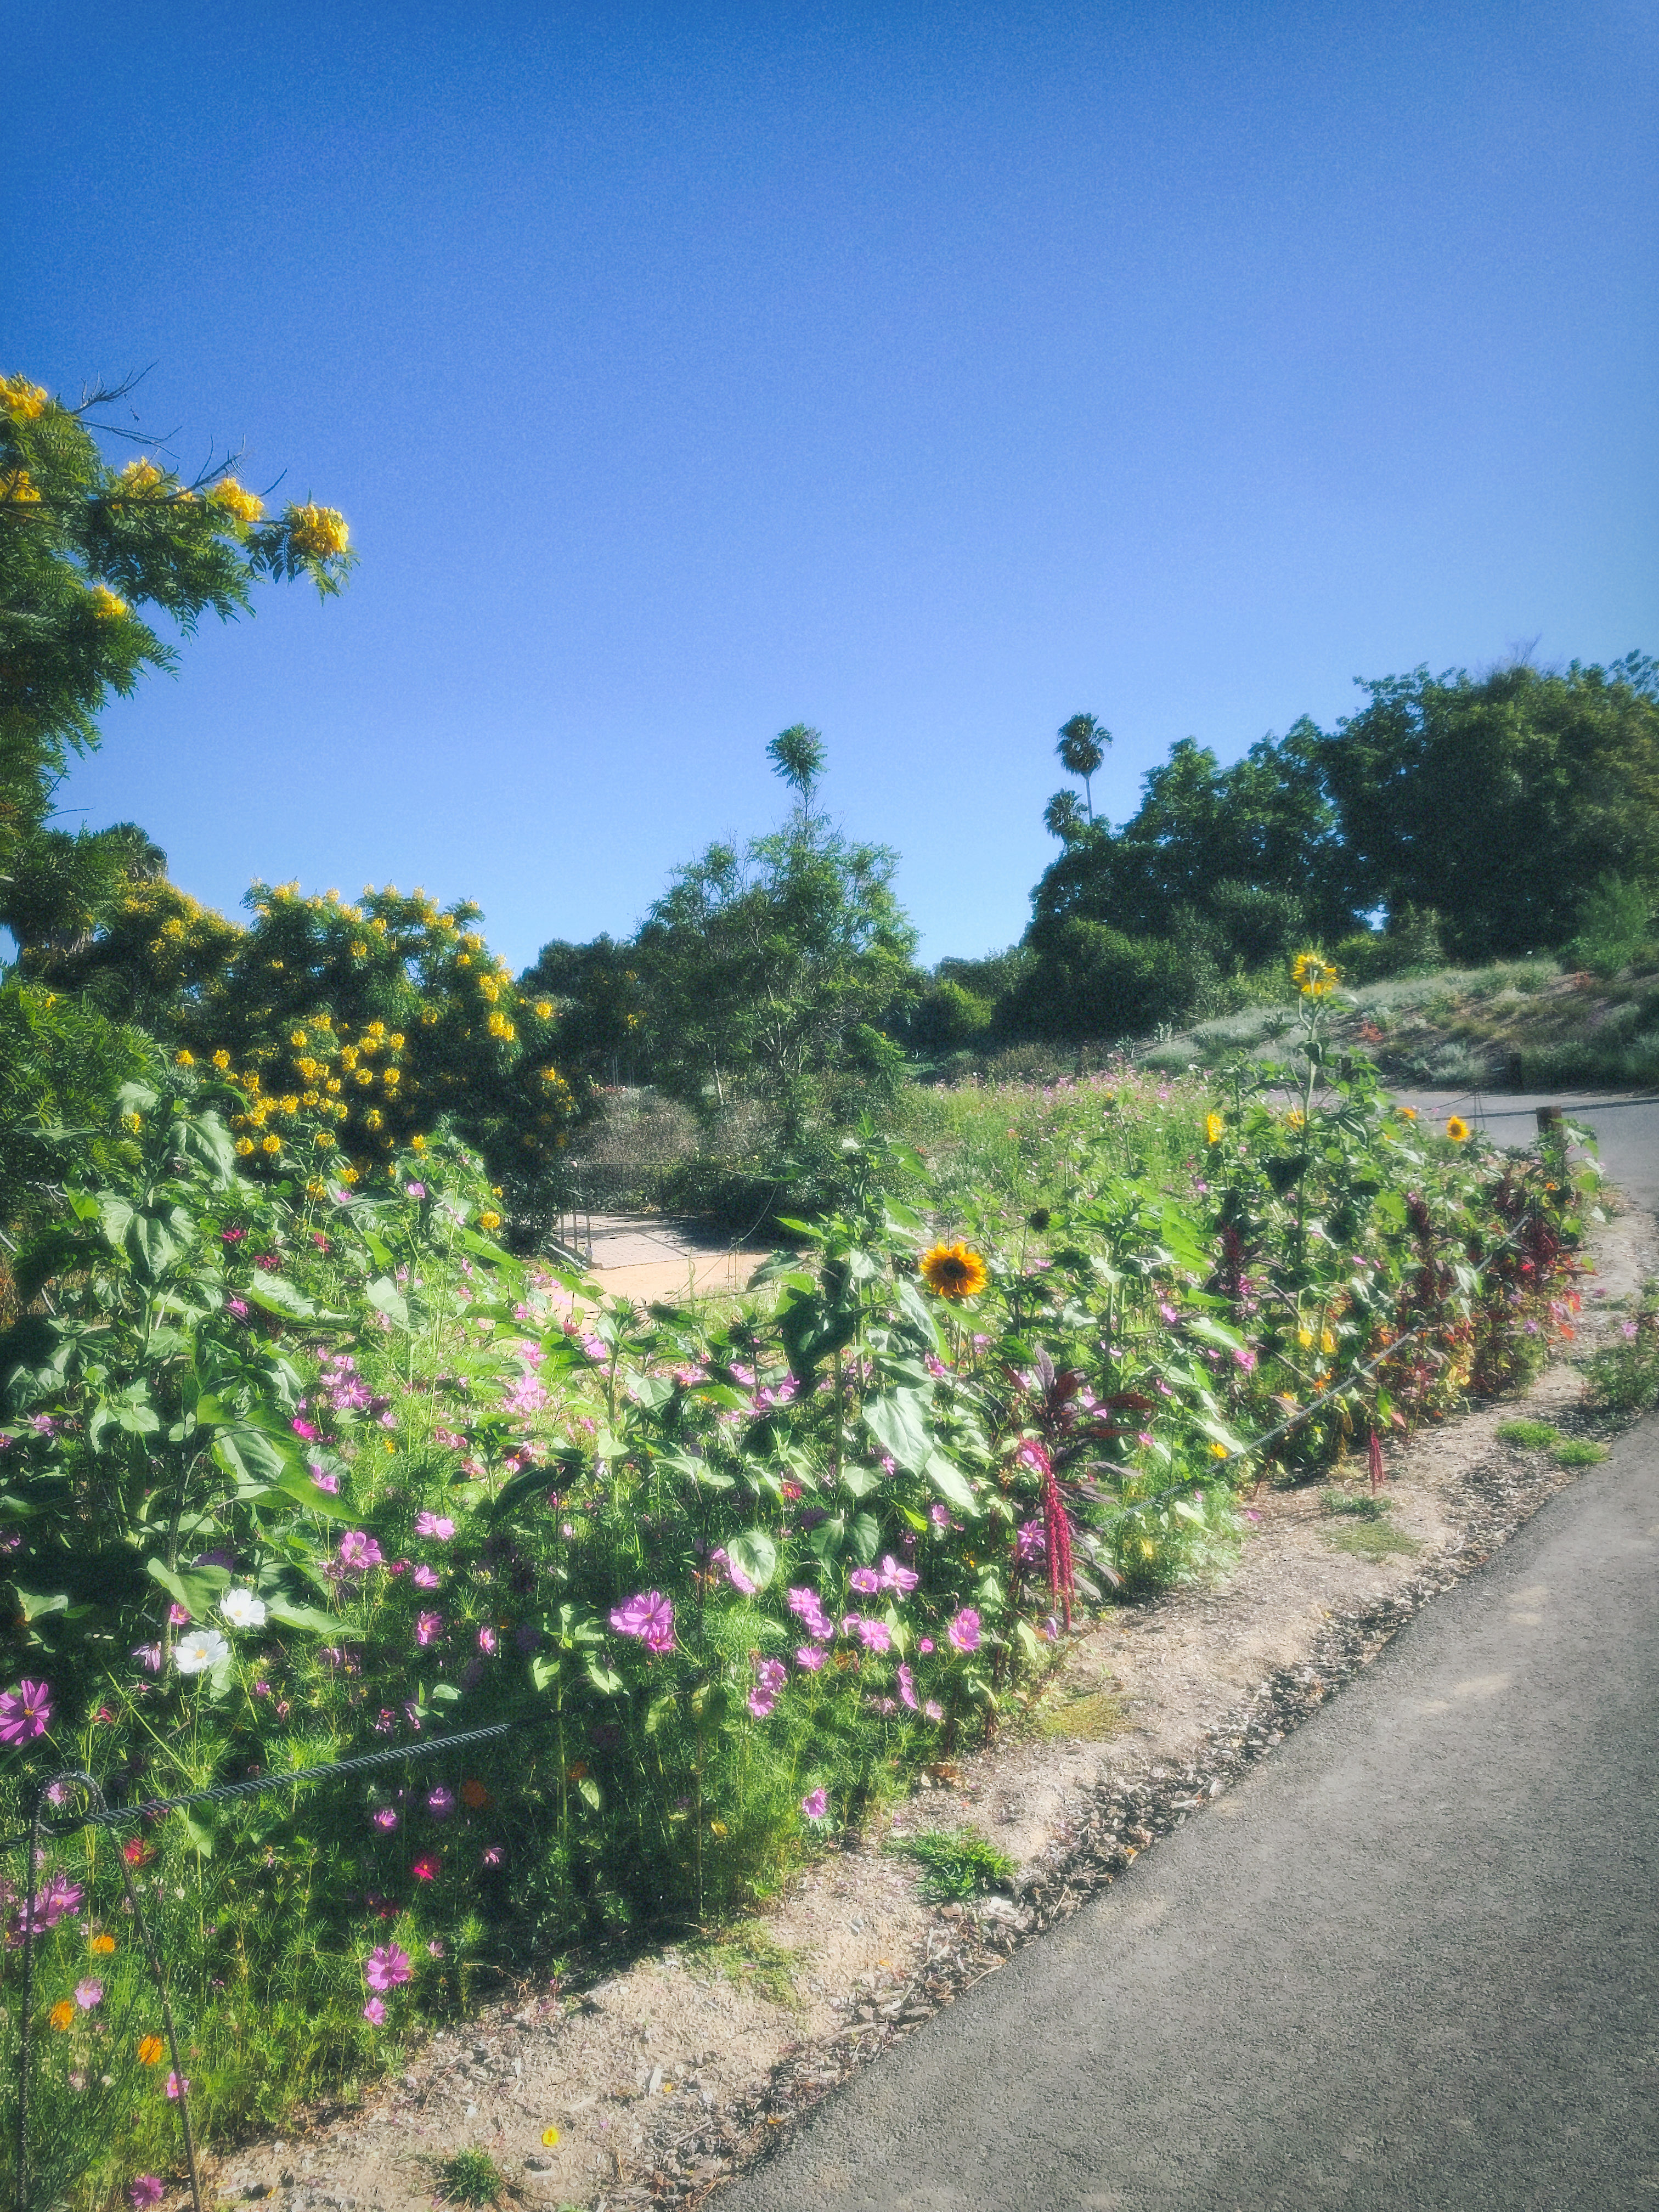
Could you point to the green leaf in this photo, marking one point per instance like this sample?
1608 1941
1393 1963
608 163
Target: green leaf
251 1455
385 1298
899 1422
658 1709
196 1833
590 1791
951 1484
288 1614
918 1313
196 1589
297 1483
278 1296
545 1670
864 1534
754 1556
605 1679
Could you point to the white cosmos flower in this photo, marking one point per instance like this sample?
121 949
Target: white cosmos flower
202 1649
242 1609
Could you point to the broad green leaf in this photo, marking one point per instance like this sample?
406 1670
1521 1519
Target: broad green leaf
385 1298
278 1296
754 1556
605 1679
898 1420
951 1484
197 1589
658 1709
288 1614
590 1791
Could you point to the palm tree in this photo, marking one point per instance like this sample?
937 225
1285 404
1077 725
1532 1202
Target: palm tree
1082 747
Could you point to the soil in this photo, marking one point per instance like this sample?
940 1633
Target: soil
660 2080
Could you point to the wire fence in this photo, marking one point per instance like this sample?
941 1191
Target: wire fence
104 1815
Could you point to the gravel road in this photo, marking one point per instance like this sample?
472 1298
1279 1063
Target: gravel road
1414 1959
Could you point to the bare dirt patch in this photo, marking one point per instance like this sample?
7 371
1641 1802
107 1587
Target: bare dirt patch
666 2077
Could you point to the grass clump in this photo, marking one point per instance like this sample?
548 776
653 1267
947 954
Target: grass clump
469 2176
1371 1540
1355 1504
750 1960
1089 1716
1544 1436
1530 1435
957 1863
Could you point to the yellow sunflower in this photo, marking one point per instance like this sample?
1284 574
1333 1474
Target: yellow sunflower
1457 1128
1214 1128
953 1271
1313 976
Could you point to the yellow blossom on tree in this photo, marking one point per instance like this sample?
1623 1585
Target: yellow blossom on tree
245 506
108 606
318 532
26 401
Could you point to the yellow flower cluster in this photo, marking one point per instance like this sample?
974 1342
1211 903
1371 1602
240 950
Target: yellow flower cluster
317 533
245 506
139 476
22 399
108 606
16 488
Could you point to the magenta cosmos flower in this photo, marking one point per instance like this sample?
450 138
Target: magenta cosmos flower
146 2191
386 1966
25 1712
374 2012
359 1551
815 1804
964 1631
429 1626
649 1616
436 1525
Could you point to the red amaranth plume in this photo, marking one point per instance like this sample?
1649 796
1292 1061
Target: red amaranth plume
1374 1455
1057 1530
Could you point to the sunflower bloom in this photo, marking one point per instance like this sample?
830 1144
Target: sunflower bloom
1314 977
1214 1128
1457 1128
953 1271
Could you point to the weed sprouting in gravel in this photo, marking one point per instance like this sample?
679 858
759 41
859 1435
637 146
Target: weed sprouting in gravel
958 1863
469 2176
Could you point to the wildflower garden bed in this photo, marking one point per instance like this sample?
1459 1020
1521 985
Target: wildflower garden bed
294 1470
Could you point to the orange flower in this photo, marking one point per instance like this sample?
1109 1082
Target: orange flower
1457 1128
151 2051
62 2014
103 1945
953 1271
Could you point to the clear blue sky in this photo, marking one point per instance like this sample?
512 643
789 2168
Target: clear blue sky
925 373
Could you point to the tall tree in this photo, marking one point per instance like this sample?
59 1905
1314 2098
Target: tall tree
768 969
1501 800
1082 748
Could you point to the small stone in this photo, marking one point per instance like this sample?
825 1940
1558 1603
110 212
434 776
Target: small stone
538 2162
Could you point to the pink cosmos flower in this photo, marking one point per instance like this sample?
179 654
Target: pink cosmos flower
359 1551
807 1607
904 1580
809 1655
429 1626
964 1631
925 1645
933 1711
907 1682
494 1855
306 1429
436 1525
386 1966
416 1189
649 1616
939 1515
385 1820
435 1949
425 1577
875 1634
328 1482
865 1580
374 2012
89 1994
148 1655
25 1712
176 2088
1031 1540
487 1640
440 1802
815 1804
147 2190
425 1869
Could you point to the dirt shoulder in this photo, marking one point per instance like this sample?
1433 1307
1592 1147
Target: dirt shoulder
666 2077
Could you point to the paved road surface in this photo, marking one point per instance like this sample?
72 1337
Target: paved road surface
1412 1962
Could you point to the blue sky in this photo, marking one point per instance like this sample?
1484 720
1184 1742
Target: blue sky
925 373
